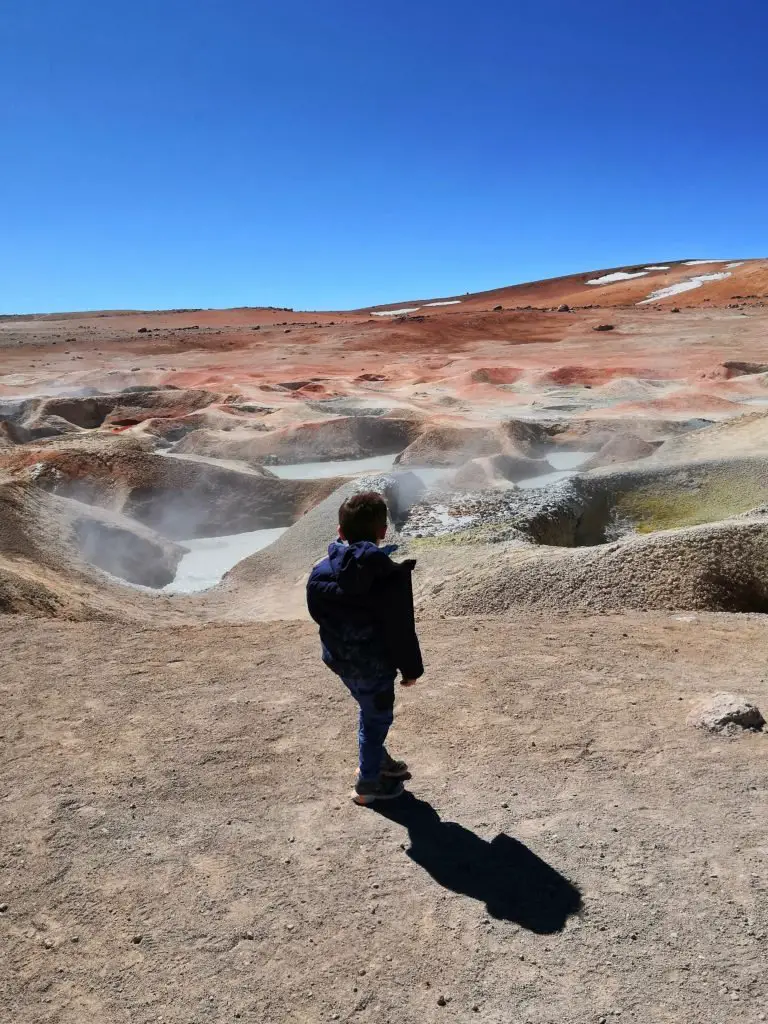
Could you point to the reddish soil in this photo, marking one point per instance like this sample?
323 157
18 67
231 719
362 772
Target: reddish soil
468 349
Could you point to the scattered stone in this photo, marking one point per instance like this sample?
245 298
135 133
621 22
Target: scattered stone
3 907
603 327
564 308
442 1001
675 309
727 713
497 309
143 330
137 939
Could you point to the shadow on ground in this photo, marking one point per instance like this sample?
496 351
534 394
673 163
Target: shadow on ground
510 879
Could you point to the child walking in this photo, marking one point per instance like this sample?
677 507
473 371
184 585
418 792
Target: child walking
363 603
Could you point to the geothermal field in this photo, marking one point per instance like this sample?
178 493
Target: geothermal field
580 468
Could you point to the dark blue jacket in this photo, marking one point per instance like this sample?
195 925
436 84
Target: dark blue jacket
363 603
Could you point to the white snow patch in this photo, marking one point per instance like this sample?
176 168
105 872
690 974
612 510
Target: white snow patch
739 263
685 286
620 275
396 312
700 263
447 302
657 268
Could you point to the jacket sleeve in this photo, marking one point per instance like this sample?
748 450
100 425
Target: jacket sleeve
398 621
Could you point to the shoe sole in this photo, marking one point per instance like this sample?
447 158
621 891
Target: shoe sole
403 775
366 799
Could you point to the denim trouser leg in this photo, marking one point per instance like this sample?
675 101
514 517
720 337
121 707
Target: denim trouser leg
377 700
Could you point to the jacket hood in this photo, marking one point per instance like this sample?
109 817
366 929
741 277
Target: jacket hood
357 566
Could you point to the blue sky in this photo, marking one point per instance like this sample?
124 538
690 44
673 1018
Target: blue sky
162 153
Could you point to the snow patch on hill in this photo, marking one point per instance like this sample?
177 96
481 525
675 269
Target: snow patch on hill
684 286
619 275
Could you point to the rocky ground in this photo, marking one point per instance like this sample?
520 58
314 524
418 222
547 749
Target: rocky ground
178 843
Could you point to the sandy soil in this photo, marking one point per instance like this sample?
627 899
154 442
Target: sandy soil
178 844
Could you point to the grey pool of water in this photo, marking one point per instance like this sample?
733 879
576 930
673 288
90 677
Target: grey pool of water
209 558
342 467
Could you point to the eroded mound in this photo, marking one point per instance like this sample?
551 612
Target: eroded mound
47 543
346 437
499 470
178 498
719 567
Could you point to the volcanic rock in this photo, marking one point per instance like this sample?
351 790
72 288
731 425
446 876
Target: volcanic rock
726 713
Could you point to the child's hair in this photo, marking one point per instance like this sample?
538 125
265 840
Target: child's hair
362 517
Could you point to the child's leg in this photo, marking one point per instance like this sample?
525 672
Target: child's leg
377 701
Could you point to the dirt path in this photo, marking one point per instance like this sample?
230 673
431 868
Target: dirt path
177 845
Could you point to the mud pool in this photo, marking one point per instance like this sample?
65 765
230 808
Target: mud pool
209 558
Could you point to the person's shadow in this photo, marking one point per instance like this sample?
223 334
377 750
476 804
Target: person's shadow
510 879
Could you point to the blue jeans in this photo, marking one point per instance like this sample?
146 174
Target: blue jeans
376 698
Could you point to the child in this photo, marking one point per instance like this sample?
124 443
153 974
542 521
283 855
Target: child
363 603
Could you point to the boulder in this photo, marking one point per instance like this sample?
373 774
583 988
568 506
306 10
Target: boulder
726 713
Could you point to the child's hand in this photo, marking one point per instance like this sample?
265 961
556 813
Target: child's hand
407 682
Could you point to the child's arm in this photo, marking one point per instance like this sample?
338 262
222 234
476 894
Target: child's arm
399 623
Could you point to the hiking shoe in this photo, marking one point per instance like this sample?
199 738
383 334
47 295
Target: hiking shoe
391 768
366 791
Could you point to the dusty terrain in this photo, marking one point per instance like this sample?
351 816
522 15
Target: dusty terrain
582 475
178 844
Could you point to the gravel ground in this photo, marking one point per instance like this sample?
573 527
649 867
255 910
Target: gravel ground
177 843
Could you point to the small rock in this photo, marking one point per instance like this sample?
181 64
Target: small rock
505 806
726 713
442 1001
74 938
475 1008
603 327
3 907
496 309
675 309
249 935
137 939
49 943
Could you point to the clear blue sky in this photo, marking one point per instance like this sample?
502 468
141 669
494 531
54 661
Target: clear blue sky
160 153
